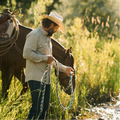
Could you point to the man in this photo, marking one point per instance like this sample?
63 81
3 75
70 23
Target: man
38 54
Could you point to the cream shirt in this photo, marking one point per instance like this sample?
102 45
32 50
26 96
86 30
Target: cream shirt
36 50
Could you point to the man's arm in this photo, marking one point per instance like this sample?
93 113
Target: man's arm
63 68
29 51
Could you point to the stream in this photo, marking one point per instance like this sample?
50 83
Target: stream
103 111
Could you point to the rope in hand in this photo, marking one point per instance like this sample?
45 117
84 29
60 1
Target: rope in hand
70 84
44 87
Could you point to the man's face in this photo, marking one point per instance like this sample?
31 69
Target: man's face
52 30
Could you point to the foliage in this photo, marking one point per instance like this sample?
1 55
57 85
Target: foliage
51 7
96 63
40 4
15 106
97 75
24 5
30 10
97 67
98 16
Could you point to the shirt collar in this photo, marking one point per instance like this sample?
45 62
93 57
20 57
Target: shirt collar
43 31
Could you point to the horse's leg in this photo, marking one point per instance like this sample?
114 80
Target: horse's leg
6 79
21 76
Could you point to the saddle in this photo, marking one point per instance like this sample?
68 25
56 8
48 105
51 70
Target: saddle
3 29
9 30
4 24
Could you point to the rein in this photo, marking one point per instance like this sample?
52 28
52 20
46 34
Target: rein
44 87
65 89
70 85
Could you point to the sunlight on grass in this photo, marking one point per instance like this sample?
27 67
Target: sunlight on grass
15 106
97 68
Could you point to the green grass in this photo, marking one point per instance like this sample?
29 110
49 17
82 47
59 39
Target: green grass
15 106
97 75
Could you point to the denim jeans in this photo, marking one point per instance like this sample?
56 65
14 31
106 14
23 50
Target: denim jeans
36 94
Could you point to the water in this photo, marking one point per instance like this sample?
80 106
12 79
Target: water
108 111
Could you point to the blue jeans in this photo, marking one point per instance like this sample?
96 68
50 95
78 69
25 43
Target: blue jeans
35 88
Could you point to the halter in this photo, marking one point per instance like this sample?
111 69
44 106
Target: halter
44 87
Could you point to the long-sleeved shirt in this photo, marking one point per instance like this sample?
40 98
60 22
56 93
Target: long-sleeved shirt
36 50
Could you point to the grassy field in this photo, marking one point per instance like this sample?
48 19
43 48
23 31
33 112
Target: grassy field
97 77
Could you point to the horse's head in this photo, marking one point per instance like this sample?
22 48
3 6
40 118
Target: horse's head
68 60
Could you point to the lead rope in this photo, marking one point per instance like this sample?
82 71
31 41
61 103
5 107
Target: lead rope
44 87
70 84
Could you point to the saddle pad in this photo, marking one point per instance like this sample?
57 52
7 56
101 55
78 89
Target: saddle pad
10 28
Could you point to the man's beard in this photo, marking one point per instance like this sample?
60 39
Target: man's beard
50 32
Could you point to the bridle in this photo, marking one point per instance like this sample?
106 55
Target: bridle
65 89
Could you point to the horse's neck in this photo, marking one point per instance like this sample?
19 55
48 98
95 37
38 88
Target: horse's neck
23 31
58 50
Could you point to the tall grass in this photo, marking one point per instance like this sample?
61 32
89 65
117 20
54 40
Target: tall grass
15 106
97 76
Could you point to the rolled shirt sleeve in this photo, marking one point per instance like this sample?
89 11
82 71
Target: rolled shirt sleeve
61 67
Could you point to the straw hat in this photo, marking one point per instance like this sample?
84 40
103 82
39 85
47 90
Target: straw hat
56 18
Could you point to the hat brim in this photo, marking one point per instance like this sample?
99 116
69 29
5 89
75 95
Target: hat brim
58 22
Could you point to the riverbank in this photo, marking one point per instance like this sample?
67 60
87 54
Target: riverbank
103 111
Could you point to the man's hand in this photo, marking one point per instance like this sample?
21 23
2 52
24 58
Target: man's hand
50 59
69 70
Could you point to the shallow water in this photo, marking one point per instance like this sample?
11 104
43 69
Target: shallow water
108 111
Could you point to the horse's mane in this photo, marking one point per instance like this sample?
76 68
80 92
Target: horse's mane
58 43
55 42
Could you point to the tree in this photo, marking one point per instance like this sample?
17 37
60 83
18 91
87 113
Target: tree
3 2
24 5
51 7
30 9
100 16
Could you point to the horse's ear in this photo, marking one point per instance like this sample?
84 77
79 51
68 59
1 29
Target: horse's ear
69 51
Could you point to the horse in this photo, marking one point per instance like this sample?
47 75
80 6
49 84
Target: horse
13 63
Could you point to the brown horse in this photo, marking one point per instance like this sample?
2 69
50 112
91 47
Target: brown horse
12 63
